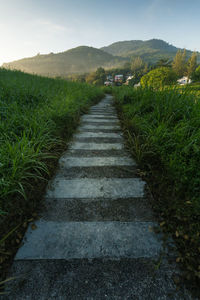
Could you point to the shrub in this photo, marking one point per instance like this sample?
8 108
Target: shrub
158 78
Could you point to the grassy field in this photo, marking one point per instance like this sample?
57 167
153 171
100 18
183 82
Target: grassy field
37 118
163 131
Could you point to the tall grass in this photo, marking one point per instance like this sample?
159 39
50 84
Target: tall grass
164 129
36 113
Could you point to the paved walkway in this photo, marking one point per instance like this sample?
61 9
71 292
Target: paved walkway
94 239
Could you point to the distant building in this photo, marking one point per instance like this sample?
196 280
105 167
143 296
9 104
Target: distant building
128 78
119 78
184 80
109 78
107 83
137 85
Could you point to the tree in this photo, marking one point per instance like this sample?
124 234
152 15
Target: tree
164 62
192 65
179 63
97 77
197 73
127 66
137 64
159 77
100 76
90 78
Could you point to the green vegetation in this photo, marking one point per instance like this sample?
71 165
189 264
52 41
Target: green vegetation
159 77
96 78
132 55
150 51
197 73
163 129
35 113
74 61
37 117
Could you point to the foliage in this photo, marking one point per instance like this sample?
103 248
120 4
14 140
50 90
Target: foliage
197 73
137 64
158 78
191 65
164 62
179 63
35 114
96 78
165 129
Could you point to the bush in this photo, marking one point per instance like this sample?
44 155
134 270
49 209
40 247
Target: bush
158 78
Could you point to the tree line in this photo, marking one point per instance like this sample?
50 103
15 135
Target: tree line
137 68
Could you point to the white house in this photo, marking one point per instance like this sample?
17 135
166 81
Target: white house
184 80
137 85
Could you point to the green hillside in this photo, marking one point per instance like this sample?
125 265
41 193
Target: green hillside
150 51
85 59
78 60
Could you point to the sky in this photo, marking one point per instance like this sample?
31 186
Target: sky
28 27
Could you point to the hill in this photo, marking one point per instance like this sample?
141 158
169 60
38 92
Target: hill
85 59
150 51
77 60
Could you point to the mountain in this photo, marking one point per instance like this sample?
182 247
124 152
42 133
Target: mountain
77 60
150 51
85 59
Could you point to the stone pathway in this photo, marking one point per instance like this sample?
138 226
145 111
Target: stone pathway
94 239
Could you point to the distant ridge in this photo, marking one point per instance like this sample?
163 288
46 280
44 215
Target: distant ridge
77 60
85 59
150 51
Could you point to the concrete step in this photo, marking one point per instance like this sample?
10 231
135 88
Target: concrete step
99 116
97 279
71 240
86 134
96 146
89 188
100 120
100 127
70 161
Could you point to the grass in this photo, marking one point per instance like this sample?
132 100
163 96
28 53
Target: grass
37 117
163 130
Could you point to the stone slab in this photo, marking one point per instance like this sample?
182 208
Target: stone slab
96 146
96 279
95 120
99 127
99 116
112 188
70 240
98 135
68 161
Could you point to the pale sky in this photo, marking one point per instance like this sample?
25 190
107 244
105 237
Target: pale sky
28 27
